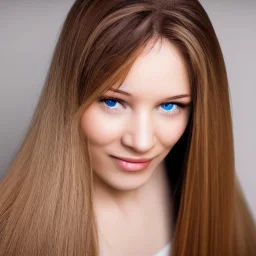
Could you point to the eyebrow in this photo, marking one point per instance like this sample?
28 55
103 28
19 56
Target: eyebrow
170 98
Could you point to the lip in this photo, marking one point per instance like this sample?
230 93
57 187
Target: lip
132 166
133 160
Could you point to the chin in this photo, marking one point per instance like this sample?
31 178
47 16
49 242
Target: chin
129 187
129 183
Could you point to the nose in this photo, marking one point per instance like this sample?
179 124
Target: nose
139 134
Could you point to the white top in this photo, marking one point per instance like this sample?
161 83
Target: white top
165 251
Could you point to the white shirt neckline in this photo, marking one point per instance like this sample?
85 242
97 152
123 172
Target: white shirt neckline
164 251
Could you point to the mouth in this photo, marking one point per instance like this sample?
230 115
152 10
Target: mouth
134 160
129 164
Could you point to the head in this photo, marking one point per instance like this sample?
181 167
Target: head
145 124
107 45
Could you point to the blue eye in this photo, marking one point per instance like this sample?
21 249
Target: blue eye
110 102
168 106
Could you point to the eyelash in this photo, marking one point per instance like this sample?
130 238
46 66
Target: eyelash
179 105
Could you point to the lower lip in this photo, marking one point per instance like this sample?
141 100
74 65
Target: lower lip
132 167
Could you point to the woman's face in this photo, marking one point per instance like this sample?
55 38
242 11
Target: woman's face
143 124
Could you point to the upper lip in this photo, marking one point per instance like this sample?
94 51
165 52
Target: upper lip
134 160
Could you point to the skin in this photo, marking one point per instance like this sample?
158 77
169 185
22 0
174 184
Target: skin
133 208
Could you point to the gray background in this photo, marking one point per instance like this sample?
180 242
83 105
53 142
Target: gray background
29 31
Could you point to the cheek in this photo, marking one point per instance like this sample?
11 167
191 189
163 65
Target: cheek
171 131
97 126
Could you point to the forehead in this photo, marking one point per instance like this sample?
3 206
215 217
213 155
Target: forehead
160 68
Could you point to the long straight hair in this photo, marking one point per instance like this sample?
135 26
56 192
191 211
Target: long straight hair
46 196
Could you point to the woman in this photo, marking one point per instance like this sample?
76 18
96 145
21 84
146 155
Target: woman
68 193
